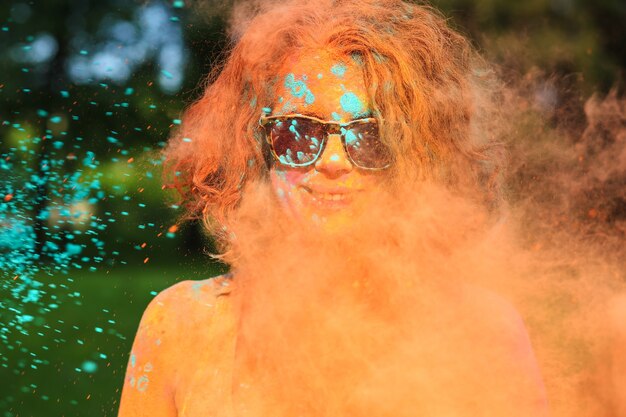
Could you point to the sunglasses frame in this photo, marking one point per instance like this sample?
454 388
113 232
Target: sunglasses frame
330 128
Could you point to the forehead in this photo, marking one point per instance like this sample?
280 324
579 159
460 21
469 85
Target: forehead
322 84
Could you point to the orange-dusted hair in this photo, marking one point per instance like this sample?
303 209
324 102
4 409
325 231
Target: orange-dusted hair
428 86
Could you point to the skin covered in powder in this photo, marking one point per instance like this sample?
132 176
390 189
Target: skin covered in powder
179 348
374 339
209 352
189 335
340 95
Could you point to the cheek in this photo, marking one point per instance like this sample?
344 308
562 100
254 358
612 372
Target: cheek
286 181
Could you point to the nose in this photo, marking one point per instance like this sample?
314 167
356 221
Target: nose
333 162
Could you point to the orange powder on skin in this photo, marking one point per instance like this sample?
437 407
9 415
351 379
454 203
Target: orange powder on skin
377 320
560 289
317 83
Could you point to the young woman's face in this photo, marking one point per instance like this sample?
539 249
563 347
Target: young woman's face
331 189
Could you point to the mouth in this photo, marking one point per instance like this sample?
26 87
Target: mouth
330 198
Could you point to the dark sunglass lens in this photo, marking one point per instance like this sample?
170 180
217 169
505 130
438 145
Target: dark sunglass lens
296 141
364 146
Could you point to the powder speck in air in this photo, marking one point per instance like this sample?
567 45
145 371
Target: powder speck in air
89 366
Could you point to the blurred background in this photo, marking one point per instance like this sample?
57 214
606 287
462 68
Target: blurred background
89 91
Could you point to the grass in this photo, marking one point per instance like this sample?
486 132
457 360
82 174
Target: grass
84 343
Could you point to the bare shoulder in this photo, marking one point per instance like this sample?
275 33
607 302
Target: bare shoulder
169 327
173 306
182 307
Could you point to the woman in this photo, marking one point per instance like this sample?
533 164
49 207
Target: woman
342 158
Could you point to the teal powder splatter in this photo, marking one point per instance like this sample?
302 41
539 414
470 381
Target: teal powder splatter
298 89
309 98
339 70
350 103
142 383
351 138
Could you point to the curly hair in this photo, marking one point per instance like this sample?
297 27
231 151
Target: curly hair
428 86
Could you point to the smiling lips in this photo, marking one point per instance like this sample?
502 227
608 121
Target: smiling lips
332 198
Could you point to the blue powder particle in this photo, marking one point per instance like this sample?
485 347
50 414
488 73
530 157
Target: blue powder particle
339 70
350 103
336 116
33 296
73 249
25 318
89 366
55 119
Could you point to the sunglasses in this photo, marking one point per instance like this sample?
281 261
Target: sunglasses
298 141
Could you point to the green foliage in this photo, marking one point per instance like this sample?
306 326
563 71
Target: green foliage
85 358
557 37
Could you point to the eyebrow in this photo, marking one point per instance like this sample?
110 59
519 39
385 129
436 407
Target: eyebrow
307 113
365 115
265 119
